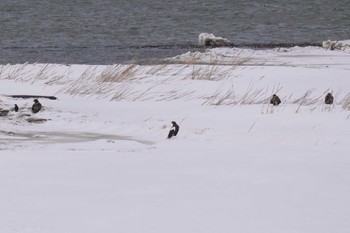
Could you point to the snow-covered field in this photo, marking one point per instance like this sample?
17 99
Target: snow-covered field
102 163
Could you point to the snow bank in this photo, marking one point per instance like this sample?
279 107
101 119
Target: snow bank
295 56
102 163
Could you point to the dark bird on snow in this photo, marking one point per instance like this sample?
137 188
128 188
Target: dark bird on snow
173 130
16 108
275 100
329 99
36 106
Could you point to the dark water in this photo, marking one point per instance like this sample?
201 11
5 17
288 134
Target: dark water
110 31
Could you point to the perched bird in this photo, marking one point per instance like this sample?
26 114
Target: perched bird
329 99
36 106
173 130
275 100
16 108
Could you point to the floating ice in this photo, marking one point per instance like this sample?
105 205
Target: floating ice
207 39
336 45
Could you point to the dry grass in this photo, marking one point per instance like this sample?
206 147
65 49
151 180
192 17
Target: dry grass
206 72
103 83
47 73
157 69
122 92
81 85
118 73
228 96
161 83
345 102
15 72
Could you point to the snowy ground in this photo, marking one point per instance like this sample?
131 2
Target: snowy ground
102 163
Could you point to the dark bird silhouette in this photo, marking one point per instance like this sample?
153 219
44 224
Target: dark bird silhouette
36 106
329 99
174 130
275 100
16 108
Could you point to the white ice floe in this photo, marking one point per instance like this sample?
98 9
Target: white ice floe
336 45
207 39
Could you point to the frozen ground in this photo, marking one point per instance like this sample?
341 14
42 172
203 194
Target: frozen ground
102 163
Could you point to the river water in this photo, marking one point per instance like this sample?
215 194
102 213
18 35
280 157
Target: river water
121 31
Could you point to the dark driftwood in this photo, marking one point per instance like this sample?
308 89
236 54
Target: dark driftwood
33 96
36 120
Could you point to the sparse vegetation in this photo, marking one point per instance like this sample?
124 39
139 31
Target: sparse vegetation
159 82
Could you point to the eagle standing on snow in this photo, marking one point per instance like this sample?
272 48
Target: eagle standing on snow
275 100
174 130
36 106
329 99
